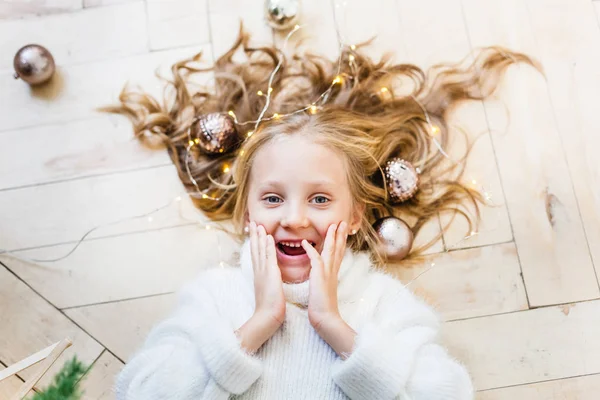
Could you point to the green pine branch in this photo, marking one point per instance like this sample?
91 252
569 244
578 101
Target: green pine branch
66 383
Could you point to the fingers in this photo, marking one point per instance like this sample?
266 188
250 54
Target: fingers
253 243
271 254
313 254
329 245
340 241
262 247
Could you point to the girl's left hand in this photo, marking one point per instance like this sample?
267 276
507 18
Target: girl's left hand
322 298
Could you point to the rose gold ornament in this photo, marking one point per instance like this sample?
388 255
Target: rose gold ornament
34 64
216 133
402 179
396 237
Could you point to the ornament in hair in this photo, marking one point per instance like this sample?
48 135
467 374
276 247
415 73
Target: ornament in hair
214 133
402 179
395 237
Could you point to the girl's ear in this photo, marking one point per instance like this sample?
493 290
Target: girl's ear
357 216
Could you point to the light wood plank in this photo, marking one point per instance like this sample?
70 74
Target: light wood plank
317 34
568 44
70 209
123 267
103 3
177 23
78 37
28 324
225 17
379 20
98 383
9 386
123 336
100 145
80 89
445 40
580 388
529 346
470 283
19 9
548 231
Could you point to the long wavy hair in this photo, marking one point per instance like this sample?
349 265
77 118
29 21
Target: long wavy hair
373 111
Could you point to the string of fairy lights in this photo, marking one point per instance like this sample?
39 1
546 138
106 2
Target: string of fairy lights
312 108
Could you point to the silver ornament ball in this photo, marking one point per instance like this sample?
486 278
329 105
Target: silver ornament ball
395 236
402 180
282 14
34 64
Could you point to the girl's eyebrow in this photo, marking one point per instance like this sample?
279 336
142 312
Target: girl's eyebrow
325 184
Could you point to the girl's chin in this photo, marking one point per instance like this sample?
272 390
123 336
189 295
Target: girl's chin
295 274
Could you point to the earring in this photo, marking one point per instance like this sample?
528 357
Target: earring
353 232
246 230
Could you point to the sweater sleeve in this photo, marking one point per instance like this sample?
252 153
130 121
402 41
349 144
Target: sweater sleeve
396 356
194 354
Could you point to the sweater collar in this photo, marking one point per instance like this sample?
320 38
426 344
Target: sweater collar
354 266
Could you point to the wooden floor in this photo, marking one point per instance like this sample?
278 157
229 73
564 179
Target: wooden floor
521 298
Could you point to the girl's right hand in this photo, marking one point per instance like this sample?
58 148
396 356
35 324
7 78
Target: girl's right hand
268 286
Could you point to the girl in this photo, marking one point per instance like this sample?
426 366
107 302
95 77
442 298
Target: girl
309 315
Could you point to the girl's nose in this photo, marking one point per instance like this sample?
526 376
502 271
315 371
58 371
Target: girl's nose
294 217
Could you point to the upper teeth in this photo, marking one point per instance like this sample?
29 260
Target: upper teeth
290 244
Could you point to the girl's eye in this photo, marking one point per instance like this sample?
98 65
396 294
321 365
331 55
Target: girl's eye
321 199
272 199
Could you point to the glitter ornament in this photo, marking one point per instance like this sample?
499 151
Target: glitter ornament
34 64
395 236
282 14
402 179
215 133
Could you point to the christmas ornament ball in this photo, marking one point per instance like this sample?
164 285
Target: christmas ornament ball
396 237
402 179
215 133
282 14
34 64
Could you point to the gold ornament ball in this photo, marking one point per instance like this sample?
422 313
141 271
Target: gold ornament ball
34 64
282 14
396 237
216 133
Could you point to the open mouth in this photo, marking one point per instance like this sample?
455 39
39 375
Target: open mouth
292 249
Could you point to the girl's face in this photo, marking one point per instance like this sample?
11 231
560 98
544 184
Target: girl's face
297 190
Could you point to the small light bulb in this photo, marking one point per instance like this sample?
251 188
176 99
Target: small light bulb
221 264
435 130
353 47
338 79
191 143
296 27
241 152
276 116
473 233
250 133
260 93
204 196
226 168
351 57
474 182
196 140
313 109
384 89
231 113
270 90
178 198
433 264
208 227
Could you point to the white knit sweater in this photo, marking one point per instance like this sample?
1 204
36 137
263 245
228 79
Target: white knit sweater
195 354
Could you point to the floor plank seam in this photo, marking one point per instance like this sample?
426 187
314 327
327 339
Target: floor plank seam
116 301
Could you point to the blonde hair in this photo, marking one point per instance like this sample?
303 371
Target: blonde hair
364 123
